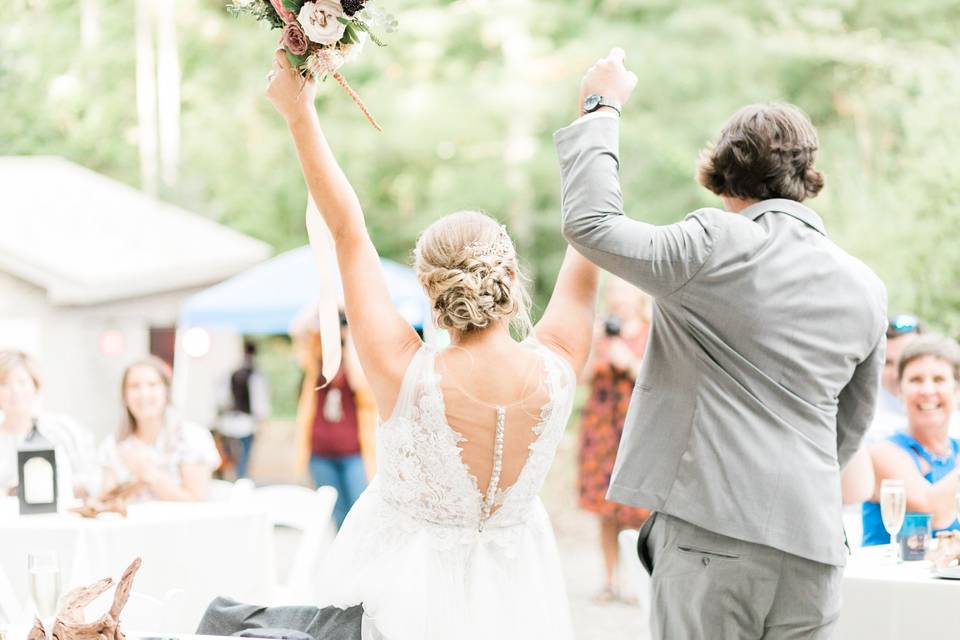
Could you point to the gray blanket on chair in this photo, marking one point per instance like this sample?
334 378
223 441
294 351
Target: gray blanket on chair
226 617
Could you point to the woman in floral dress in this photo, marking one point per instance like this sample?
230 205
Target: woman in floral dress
616 358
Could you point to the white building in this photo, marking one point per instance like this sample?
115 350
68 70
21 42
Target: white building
93 274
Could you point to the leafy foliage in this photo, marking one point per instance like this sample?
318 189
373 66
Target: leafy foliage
469 93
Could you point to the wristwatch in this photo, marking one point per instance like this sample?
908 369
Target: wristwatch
594 101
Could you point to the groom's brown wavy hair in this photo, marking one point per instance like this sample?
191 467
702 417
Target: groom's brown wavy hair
764 151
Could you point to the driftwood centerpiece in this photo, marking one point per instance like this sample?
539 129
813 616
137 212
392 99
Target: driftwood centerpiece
70 624
113 501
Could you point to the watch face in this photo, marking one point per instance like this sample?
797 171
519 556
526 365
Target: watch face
592 102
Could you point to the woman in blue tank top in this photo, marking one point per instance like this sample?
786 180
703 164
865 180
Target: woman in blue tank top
925 456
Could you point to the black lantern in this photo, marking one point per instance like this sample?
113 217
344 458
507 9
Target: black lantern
37 474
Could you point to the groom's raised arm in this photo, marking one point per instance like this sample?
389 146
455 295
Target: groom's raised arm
657 259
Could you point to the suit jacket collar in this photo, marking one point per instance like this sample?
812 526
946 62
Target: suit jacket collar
792 208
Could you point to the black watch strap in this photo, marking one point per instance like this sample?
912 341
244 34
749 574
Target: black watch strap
595 101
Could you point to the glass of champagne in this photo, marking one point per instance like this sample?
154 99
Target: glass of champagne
893 509
44 573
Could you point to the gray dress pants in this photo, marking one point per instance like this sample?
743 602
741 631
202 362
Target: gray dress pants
707 586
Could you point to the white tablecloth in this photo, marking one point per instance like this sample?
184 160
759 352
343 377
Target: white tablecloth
885 601
206 549
19 632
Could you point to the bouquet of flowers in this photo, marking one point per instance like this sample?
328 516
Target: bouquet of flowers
320 36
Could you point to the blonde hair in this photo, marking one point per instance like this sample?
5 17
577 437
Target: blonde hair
468 267
128 423
10 360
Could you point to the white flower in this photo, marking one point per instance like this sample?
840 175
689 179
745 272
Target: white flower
319 21
325 62
352 51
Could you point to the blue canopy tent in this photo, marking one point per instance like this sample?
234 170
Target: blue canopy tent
265 299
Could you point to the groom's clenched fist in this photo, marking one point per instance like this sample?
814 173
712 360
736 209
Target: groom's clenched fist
609 78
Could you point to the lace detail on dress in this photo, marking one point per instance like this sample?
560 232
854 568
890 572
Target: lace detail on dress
420 465
410 550
422 477
516 500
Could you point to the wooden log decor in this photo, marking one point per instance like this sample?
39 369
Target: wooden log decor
70 624
37 632
113 501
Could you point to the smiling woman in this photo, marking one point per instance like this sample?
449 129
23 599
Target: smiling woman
20 386
170 458
925 456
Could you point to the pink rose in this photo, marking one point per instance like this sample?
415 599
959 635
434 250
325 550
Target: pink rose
294 39
285 14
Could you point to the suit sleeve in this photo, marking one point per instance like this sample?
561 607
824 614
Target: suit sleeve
857 403
657 259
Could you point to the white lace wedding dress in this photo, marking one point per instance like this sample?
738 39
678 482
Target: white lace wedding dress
426 553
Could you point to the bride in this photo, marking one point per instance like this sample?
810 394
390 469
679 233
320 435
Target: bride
450 540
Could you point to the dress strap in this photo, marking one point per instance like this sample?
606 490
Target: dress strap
554 361
411 379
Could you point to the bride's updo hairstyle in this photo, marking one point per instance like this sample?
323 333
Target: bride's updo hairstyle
468 266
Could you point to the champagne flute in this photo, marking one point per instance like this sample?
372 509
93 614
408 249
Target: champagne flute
893 509
44 572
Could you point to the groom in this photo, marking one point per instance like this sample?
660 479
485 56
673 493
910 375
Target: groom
759 378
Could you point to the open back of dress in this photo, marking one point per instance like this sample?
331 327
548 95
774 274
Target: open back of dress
440 473
419 550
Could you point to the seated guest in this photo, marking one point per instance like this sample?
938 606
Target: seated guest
336 422
19 390
924 456
172 459
890 416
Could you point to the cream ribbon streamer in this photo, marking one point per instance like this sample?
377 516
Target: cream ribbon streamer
321 241
328 62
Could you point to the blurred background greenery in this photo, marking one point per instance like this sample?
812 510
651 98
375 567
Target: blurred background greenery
469 93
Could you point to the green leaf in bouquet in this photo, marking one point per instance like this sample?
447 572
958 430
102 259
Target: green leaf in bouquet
343 20
293 5
363 26
350 35
261 10
294 60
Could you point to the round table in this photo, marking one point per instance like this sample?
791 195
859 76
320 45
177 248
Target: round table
887 601
207 549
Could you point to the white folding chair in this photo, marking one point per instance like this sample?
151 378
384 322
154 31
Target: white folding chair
10 608
219 491
309 512
633 578
225 491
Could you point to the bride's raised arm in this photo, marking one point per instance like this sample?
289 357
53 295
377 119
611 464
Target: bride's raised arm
385 341
567 322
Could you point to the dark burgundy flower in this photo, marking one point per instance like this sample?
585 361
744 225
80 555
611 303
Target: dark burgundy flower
350 7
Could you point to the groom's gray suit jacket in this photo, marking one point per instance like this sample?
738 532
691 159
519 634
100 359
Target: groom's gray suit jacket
762 365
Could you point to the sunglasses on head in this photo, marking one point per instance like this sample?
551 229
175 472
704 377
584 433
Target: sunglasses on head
902 324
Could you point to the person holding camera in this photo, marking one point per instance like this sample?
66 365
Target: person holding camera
611 374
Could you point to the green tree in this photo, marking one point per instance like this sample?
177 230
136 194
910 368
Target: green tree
469 94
